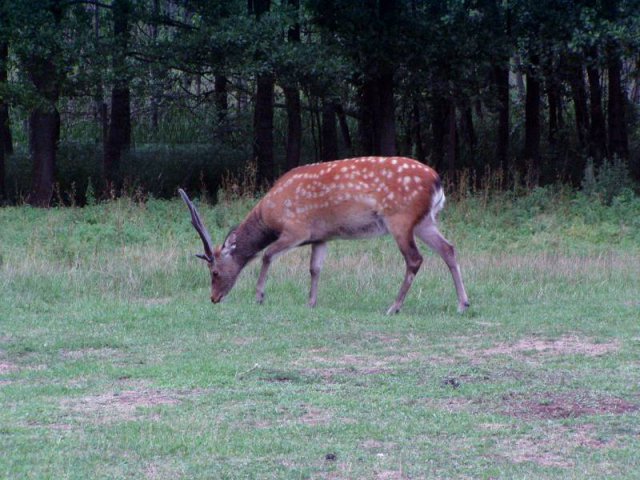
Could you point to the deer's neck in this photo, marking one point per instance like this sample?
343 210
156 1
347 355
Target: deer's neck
252 235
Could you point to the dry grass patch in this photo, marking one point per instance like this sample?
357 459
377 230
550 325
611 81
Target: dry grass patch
531 346
7 367
98 353
119 406
553 447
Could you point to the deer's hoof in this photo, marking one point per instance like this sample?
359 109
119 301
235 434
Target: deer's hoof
462 307
259 298
393 309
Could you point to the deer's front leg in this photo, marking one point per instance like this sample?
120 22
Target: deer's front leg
281 245
318 254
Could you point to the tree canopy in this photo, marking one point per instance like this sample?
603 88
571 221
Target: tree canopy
533 91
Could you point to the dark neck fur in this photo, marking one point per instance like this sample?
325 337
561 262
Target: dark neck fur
252 235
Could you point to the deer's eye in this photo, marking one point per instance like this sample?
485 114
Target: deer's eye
215 273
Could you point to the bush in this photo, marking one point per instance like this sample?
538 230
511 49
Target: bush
608 181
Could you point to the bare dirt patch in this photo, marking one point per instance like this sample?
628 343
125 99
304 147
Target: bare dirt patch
313 417
565 345
98 353
565 405
121 406
553 447
7 367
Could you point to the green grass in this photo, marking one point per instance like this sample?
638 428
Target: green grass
114 364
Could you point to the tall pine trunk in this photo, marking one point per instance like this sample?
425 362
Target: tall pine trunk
263 113
5 133
501 74
294 127
618 139
44 121
263 130
329 132
119 136
387 121
579 96
532 125
44 133
293 104
220 84
597 133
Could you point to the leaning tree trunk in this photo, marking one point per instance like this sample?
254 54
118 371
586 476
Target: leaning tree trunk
532 127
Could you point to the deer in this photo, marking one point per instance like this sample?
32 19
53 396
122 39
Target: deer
313 204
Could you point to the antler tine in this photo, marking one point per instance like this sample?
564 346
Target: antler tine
199 226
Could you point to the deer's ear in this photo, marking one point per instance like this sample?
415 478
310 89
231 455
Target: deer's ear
229 244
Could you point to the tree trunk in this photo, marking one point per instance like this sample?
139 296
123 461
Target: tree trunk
452 140
618 139
292 103
553 99
263 113
263 130
597 134
579 96
6 140
155 95
220 85
344 129
119 136
294 127
532 127
44 121
44 133
501 74
329 143
387 122
367 116
439 117
416 128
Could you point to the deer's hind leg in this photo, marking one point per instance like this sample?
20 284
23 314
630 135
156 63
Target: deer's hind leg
402 231
428 232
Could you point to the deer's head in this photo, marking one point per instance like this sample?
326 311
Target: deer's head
223 265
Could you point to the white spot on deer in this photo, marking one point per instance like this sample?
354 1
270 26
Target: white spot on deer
394 161
382 160
390 196
406 180
416 179
343 169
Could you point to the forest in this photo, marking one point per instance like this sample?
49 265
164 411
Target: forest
100 98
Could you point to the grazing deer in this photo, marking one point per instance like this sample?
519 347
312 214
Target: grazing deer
312 204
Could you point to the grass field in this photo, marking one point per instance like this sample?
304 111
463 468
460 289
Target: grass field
114 363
